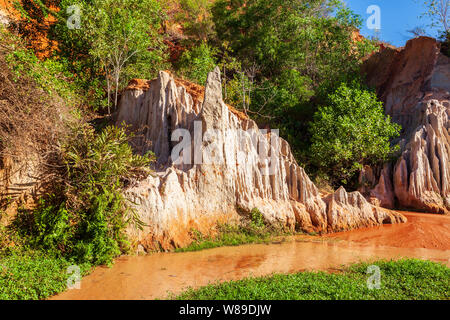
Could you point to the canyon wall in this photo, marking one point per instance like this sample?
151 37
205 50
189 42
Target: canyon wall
227 167
414 84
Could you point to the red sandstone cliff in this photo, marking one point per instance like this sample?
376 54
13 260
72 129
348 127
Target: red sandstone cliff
414 84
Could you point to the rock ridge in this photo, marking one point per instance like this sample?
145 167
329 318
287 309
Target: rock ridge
191 194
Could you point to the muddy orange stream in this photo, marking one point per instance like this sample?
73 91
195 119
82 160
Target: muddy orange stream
153 276
429 231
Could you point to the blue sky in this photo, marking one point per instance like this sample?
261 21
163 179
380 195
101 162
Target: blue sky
397 17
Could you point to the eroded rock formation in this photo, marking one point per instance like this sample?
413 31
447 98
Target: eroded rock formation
414 83
223 171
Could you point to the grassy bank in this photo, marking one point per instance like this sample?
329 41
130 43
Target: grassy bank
404 279
251 229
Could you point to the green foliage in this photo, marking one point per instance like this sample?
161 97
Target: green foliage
27 274
118 40
283 35
123 36
229 235
233 93
195 63
31 275
85 220
400 280
349 132
283 94
74 52
291 54
257 218
51 74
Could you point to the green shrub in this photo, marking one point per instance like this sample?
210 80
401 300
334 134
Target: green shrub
31 275
351 131
85 220
257 218
51 75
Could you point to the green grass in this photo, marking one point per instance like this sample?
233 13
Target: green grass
403 279
30 274
251 229
233 235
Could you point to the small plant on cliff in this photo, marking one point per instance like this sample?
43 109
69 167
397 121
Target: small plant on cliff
257 218
85 219
351 131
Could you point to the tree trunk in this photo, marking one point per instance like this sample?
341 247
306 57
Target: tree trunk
108 88
117 76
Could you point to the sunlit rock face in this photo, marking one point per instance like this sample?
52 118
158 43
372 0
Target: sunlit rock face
227 166
414 83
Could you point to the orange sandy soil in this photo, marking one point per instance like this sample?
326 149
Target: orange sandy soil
148 277
36 31
426 231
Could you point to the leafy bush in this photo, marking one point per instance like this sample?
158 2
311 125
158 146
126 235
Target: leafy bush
51 75
351 131
85 219
197 62
257 218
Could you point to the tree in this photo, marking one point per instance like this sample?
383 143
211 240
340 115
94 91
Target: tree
301 49
349 132
286 34
123 36
295 37
439 12
418 31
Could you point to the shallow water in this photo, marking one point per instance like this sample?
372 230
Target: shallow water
153 276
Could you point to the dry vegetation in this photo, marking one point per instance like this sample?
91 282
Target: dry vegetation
31 125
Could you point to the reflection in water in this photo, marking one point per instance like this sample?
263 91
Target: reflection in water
153 276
